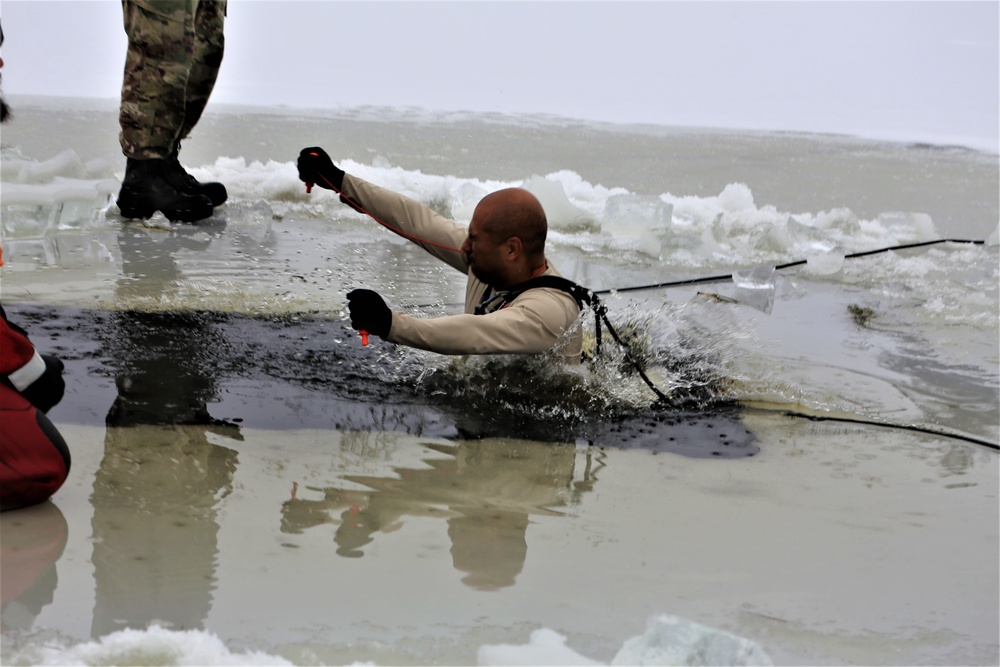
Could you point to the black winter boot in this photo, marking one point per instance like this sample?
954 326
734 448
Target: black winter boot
146 190
184 182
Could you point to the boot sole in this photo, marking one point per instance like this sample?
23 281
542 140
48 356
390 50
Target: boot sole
139 212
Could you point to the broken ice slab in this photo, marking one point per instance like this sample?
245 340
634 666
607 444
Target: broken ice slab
81 201
562 214
804 238
32 209
755 287
825 263
908 226
67 163
672 640
636 216
758 277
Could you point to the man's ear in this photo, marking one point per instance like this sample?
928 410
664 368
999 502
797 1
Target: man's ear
513 248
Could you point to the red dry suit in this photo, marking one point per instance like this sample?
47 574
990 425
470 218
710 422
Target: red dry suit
34 458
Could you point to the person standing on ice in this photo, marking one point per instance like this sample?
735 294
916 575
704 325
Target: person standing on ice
513 300
174 52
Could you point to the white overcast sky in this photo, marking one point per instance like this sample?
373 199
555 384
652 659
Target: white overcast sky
899 70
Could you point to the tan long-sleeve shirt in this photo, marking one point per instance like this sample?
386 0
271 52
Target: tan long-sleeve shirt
533 322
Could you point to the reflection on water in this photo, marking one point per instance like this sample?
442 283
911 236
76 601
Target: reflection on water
155 526
160 359
157 491
486 491
32 540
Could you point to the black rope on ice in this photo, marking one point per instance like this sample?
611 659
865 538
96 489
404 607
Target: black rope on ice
873 422
800 262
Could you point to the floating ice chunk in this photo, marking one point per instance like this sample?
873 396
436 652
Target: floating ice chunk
758 277
908 226
64 203
12 168
465 199
58 194
17 194
251 220
636 216
154 646
670 640
67 163
545 647
561 213
776 239
713 238
840 219
756 286
736 197
824 263
804 238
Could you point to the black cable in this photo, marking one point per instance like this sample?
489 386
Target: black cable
729 276
872 422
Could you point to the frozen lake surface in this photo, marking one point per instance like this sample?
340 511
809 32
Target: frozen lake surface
248 478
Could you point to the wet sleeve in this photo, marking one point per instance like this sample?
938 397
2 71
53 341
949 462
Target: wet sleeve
535 322
409 218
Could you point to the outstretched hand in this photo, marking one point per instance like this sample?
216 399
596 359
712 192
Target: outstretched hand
316 167
369 312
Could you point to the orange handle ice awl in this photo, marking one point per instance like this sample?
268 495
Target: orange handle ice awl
364 337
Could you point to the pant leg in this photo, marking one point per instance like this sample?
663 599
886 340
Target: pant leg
209 44
157 69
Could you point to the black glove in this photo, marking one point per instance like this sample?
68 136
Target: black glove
369 312
45 392
316 167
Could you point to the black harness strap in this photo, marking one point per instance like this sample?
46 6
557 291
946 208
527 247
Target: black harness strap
584 297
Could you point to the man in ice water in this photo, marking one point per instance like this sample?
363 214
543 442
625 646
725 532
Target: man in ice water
174 52
501 250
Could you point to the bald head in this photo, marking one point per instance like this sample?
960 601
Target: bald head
515 212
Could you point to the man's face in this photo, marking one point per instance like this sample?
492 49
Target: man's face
482 253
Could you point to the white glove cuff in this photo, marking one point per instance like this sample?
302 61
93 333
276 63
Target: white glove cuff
28 373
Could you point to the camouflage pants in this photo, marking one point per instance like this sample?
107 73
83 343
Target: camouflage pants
174 53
